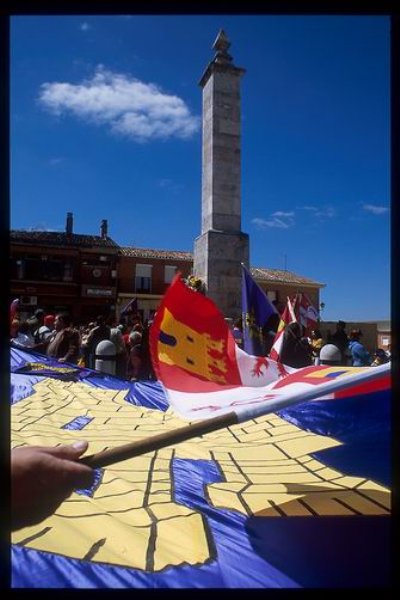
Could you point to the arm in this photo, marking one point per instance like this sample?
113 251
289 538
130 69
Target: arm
42 478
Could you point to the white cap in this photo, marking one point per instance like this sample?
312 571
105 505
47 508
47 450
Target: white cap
330 354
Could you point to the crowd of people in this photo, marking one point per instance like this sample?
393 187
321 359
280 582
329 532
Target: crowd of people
301 348
57 337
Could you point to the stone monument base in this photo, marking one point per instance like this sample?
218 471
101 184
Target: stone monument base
222 279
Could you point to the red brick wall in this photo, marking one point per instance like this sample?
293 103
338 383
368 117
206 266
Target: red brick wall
127 271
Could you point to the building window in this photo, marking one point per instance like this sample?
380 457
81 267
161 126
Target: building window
52 269
68 272
143 279
33 269
169 273
17 268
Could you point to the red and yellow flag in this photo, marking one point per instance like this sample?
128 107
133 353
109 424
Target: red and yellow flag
191 345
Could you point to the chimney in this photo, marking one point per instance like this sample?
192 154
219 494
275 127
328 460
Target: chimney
69 226
104 228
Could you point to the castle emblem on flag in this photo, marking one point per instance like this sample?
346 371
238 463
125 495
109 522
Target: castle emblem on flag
191 350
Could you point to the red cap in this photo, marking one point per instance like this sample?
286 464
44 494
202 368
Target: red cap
49 320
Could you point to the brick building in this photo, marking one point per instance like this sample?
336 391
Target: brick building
145 274
89 275
60 271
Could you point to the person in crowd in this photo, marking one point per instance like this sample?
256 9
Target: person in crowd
84 331
360 357
380 358
21 335
44 332
42 478
49 322
330 355
33 325
64 346
269 332
135 355
146 371
126 332
316 342
295 351
340 339
237 331
137 324
121 356
100 332
39 316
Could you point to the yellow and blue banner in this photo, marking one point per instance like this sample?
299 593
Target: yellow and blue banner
298 498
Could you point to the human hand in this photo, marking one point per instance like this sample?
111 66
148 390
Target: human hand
42 478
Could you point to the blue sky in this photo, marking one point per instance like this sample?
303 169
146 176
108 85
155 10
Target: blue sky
106 124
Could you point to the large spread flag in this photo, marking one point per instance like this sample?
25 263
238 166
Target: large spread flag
256 310
299 497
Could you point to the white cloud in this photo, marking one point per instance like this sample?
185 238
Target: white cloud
285 215
273 222
85 26
322 211
138 110
376 210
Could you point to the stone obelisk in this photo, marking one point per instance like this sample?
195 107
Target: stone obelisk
222 246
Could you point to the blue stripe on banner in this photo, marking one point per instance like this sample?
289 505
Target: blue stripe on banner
78 423
98 476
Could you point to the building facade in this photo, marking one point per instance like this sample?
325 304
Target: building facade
88 275
64 271
145 274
